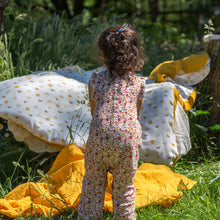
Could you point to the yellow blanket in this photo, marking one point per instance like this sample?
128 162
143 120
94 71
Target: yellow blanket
60 188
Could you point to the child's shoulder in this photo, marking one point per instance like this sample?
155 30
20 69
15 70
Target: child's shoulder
139 78
97 77
100 74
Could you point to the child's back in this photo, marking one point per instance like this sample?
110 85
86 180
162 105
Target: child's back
115 115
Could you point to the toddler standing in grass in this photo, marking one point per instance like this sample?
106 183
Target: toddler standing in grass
115 132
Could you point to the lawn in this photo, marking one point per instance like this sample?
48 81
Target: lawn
201 202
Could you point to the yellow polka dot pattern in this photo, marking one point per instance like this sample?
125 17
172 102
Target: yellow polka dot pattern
157 120
49 106
4 132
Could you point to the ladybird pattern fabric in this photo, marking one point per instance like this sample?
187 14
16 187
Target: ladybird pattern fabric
115 134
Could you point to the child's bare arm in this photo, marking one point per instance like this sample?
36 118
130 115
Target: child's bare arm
91 100
139 105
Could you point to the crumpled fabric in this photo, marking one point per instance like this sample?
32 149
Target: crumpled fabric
60 188
49 109
189 70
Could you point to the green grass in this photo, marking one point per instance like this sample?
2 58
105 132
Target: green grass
201 202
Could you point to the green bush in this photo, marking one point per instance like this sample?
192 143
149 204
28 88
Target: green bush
203 130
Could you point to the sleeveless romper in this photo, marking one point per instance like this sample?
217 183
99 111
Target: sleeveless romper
112 146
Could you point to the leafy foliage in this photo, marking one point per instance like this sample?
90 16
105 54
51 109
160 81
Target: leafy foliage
209 28
203 130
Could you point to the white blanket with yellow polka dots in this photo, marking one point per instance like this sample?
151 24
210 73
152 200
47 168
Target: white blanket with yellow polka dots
50 109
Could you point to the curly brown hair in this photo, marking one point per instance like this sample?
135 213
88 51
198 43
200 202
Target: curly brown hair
121 49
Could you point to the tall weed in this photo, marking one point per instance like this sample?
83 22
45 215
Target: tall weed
6 64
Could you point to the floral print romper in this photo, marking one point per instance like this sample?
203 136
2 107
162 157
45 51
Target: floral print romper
112 146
